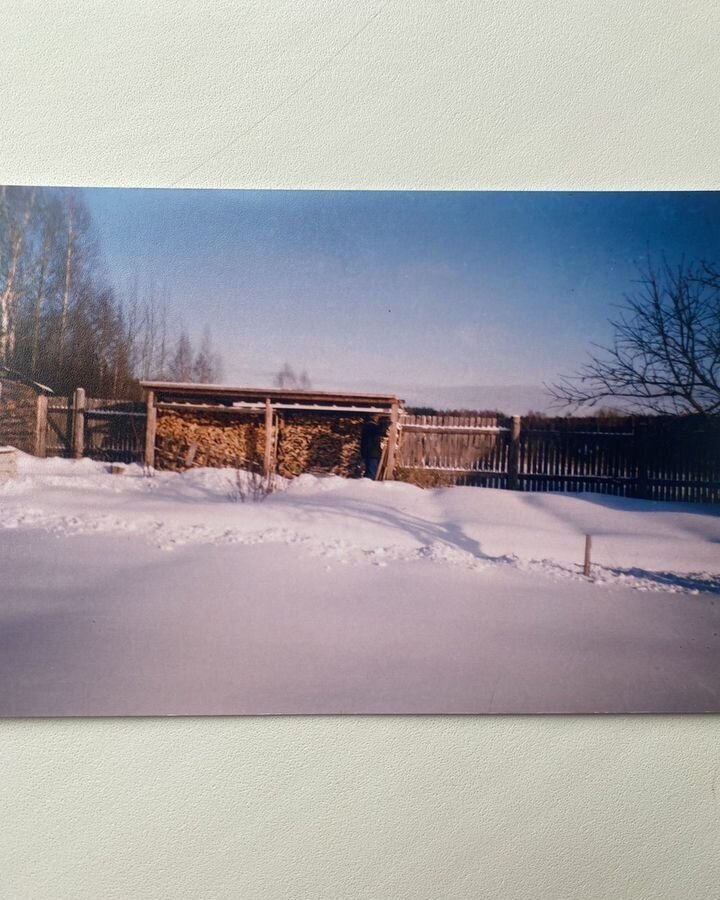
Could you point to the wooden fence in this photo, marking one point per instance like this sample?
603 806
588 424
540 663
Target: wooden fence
659 458
106 430
457 449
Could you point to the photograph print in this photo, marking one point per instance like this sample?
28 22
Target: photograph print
358 452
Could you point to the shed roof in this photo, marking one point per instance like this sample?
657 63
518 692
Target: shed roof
223 392
12 375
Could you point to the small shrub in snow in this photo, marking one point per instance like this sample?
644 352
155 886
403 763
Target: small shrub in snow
251 484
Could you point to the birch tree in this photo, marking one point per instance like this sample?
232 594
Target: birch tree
16 207
63 323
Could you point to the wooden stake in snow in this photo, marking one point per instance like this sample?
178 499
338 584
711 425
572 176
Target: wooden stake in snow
588 549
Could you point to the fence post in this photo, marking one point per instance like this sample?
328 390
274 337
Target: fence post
150 428
78 424
514 454
392 438
269 439
41 426
642 489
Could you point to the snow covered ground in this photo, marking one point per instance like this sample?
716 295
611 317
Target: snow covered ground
122 595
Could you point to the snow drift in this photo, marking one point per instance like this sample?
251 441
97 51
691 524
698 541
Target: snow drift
127 594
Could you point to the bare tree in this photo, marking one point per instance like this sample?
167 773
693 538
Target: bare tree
16 207
44 271
70 252
61 320
203 367
288 379
665 353
180 367
144 315
207 367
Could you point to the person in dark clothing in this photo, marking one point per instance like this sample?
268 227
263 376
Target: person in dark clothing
370 447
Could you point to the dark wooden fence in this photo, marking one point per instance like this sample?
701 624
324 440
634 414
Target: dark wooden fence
659 458
58 428
106 430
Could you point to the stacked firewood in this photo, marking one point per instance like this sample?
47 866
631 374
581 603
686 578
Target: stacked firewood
18 411
320 445
304 443
203 439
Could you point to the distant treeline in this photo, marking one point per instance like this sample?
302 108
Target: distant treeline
605 412
64 323
436 411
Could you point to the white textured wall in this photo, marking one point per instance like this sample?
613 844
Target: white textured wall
428 94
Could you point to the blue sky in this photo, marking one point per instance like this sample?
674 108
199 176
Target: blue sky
390 289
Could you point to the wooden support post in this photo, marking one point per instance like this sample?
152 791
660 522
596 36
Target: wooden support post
514 454
588 550
41 426
269 439
78 424
392 440
189 457
150 429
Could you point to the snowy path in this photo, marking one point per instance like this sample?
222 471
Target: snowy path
127 595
